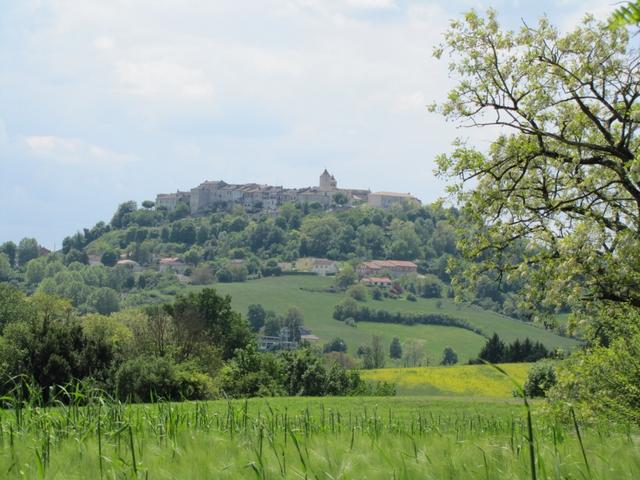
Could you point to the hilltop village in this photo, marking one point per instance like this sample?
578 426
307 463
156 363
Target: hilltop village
214 194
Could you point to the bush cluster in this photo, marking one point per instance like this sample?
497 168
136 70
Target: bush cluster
290 373
195 347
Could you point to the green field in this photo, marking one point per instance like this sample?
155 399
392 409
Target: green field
307 438
463 380
279 293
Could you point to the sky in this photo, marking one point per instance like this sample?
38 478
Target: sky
107 101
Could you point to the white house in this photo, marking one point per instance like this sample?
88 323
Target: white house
323 266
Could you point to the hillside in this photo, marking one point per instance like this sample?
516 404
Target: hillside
279 293
233 244
119 265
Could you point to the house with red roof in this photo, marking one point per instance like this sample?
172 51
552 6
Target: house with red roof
394 268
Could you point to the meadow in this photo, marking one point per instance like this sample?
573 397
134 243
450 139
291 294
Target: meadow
308 438
307 292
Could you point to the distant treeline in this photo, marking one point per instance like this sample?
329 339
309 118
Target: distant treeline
350 309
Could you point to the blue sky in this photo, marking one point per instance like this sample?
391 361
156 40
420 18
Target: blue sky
107 101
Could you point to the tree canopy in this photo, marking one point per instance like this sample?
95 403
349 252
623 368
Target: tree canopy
556 198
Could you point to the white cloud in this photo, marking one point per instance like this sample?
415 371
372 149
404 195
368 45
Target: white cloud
345 5
72 151
258 90
414 101
371 4
104 43
164 80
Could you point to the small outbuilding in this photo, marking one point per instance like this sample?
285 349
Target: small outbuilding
377 281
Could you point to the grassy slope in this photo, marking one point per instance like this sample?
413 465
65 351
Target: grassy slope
465 380
279 293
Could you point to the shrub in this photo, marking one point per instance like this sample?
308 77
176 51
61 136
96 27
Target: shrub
202 275
145 378
430 286
296 372
350 322
395 349
238 273
449 356
358 292
341 358
411 297
224 275
346 277
335 345
109 258
602 381
541 377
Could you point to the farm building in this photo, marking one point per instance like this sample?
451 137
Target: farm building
322 266
394 268
377 281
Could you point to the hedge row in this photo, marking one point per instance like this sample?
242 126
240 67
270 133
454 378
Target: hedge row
349 309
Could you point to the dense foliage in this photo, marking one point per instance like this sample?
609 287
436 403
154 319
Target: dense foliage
540 379
194 347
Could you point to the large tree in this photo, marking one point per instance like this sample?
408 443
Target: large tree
207 318
28 249
556 198
10 249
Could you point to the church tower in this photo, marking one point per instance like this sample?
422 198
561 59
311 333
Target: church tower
328 182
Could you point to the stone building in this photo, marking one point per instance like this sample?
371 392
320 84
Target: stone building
170 200
328 182
386 199
253 196
323 266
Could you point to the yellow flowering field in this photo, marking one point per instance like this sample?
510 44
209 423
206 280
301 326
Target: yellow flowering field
467 380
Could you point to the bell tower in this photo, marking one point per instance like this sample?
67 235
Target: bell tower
327 182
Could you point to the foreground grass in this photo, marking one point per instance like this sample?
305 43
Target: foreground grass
467 380
331 438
